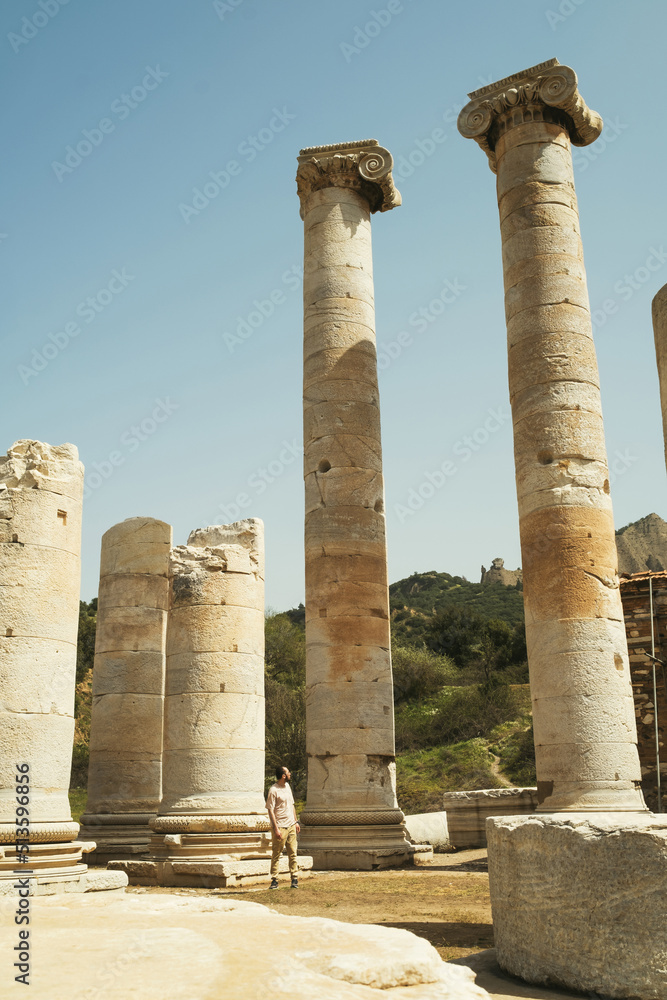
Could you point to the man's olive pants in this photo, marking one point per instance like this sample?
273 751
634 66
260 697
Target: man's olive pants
288 841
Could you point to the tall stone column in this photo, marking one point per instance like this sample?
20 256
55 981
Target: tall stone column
591 837
41 489
660 333
583 710
351 818
125 771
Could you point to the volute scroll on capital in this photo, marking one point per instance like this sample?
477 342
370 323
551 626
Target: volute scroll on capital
547 92
362 166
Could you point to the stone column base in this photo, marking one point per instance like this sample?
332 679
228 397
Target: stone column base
53 859
358 848
82 880
190 851
207 873
209 846
117 836
578 901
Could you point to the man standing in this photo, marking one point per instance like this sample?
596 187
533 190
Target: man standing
280 806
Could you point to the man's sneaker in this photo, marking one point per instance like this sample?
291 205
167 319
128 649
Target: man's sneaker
274 883
295 882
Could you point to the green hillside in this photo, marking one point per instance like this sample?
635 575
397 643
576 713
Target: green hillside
461 701
415 600
461 698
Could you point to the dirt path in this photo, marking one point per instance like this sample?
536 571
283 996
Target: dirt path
446 901
495 770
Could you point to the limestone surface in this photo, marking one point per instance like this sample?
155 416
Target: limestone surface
578 901
351 799
155 946
41 489
498 574
125 771
429 828
585 736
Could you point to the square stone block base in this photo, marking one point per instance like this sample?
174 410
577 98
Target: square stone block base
86 881
369 859
204 873
119 851
578 901
116 837
359 846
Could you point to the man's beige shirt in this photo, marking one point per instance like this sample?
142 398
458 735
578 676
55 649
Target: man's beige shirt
281 801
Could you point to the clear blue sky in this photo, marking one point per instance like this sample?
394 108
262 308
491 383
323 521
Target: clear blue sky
151 373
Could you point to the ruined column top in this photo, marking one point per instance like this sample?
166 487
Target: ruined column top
31 464
232 548
363 166
544 93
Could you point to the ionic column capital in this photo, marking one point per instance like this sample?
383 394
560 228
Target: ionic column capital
362 166
544 93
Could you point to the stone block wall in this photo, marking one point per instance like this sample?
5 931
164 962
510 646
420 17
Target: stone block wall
635 594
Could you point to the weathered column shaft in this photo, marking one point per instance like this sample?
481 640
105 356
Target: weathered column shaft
41 491
125 771
660 333
214 700
583 709
349 703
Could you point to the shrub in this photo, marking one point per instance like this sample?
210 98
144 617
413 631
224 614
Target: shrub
517 758
457 714
419 673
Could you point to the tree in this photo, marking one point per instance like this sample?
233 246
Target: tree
491 644
85 644
285 684
285 651
286 733
456 632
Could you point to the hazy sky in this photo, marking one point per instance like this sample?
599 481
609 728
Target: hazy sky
152 253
